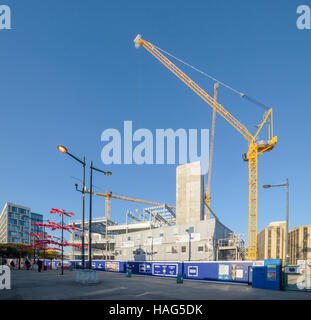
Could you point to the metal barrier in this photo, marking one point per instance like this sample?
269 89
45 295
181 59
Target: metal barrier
297 278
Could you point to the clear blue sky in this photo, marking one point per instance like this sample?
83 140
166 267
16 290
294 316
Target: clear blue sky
69 70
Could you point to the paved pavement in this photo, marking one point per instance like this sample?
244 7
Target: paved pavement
116 286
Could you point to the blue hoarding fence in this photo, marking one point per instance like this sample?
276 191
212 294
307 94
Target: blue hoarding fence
262 274
217 271
234 271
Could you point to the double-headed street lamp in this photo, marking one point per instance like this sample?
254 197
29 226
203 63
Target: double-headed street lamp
190 230
266 186
63 149
106 173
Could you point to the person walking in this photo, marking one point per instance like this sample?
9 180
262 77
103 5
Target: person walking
27 263
12 264
39 263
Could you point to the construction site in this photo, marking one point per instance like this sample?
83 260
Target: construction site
189 230
163 232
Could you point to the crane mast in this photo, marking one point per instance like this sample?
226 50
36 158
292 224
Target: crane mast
255 149
209 176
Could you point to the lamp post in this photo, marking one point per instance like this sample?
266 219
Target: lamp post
267 186
106 173
63 149
44 266
62 224
190 230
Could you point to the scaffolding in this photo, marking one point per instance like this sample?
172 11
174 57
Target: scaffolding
231 248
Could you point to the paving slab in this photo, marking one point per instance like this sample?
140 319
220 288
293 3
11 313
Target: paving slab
51 285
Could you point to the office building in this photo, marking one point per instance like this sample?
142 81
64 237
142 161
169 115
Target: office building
16 222
299 244
271 241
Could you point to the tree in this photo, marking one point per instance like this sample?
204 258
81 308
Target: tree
49 255
14 250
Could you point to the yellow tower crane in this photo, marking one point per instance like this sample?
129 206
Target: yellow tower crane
255 147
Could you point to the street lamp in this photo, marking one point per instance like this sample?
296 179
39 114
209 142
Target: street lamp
106 173
190 230
63 149
267 186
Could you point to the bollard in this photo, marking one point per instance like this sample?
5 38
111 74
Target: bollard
180 278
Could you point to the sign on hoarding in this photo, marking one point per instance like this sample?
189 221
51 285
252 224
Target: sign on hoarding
112 266
239 273
292 269
271 272
259 263
144 267
223 271
165 269
193 271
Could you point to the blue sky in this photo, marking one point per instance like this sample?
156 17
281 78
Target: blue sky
69 70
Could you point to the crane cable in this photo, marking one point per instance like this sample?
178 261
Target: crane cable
241 94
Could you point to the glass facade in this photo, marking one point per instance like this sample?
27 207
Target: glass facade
20 224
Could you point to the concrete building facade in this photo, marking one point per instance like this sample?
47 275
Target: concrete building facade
271 241
159 234
299 247
180 242
189 193
16 223
196 241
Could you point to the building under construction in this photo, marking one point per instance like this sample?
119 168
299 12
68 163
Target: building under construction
163 232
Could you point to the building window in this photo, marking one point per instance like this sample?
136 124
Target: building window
161 235
174 249
13 221
183 249
128 238
200 249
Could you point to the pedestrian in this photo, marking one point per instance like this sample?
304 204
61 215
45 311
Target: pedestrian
27 263
39 263
12 264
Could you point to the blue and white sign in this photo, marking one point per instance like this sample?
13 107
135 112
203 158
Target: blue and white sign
142 268
165 269
223 271
193 271
100 266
